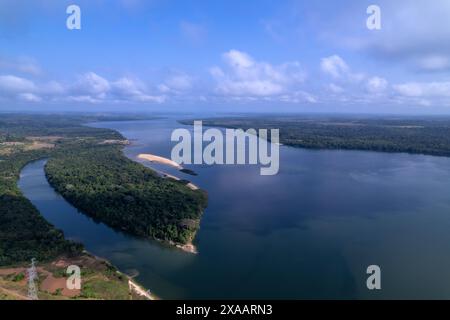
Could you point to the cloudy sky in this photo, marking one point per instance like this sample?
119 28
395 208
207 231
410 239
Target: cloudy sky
232 55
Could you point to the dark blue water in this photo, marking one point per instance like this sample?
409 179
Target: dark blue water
309 232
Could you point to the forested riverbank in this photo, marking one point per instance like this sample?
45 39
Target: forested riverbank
101 182
414 135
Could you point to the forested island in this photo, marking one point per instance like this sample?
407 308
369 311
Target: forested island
415 135
98 179
87 167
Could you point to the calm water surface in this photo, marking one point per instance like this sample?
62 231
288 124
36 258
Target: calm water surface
309 232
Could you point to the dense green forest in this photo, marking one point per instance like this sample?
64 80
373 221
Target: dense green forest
86 165
102 182
24 233
430 135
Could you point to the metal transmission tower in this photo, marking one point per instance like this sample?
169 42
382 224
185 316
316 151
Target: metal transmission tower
32 275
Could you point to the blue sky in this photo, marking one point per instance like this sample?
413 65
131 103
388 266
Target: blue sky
226 55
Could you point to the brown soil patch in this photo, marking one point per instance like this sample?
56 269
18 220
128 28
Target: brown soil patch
50 139
52 285
39 145
10 271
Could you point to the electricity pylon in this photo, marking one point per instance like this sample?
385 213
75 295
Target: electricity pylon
32 275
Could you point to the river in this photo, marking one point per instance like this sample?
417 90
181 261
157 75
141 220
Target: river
309 232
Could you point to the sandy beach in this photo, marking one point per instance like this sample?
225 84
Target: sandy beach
133 286
161 160
165 161
189 248
190 185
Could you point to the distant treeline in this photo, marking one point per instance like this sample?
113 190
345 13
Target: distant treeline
429 136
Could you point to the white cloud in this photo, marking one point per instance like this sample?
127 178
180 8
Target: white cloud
424 89
29 97
89 88
127 89
238 60
93 88
335 88
84 99
376 85
11 84
351 86
52 88
18 88
92 84
241 78
246 77
434 63
298 97
177 82
216 72
338 69
250 88
415 33
334 66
